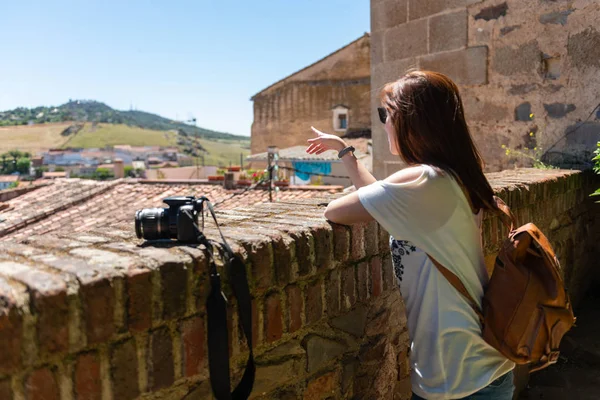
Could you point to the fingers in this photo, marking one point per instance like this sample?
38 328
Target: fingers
311 148
315 148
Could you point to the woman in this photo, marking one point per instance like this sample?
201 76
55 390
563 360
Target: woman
432 208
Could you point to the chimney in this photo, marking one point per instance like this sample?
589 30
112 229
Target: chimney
228 183
119 169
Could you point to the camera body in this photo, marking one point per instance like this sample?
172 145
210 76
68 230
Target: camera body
175 222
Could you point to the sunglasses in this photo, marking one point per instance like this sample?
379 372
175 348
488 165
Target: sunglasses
382 114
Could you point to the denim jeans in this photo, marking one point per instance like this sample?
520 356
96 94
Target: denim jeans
501 389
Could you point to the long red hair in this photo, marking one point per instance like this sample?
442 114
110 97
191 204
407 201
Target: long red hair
428 116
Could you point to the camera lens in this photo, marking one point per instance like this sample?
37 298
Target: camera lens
152 224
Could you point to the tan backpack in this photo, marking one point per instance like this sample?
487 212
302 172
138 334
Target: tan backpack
526 309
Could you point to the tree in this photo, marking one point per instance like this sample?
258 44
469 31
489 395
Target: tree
4 163
129 171
103 174
23 165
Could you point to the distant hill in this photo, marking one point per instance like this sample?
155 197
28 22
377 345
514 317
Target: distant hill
94 111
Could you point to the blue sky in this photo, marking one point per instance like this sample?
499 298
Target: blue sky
176 58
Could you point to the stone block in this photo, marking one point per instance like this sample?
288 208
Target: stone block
583 49
376 279
270 377
98 300
124 366
139 306
492 12
193 345
389 280
559 110
260 255
419 8
405 41
322 387
320 351
387 14
371 238
524 59
556 17
448 31
341 242
173 289
587 134
42 384
273 318
88 382
352 322
376 48
305 251
314 302
362 282
465 67
6 390
161 372
508 29
357 241
49 300
294 306
348 294
389 72
477 109
332 292
11 328
323 238
552 67
523 112
373 350
523 88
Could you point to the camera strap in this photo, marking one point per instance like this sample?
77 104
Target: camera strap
216 310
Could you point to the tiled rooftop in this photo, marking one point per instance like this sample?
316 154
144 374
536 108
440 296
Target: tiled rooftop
74 205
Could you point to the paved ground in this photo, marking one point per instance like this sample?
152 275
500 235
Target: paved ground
576 376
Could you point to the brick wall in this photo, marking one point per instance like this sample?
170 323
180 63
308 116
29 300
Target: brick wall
510 58
98 316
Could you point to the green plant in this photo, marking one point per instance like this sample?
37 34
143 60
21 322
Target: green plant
258 175
318 181
534 154
13 185
221 171
103 174
243 176
596 168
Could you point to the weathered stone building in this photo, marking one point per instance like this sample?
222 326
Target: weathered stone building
332 94
523 67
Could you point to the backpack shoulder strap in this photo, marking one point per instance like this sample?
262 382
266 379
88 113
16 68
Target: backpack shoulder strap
507 217
458 285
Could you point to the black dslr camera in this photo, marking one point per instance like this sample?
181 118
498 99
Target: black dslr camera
175 222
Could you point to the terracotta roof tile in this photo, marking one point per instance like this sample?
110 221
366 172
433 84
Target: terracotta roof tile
74 205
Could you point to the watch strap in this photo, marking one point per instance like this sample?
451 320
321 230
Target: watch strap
346 150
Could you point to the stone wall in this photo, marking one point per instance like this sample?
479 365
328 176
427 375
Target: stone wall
285 111
523 67
100 315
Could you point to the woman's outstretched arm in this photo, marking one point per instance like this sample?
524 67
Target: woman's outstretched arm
359 175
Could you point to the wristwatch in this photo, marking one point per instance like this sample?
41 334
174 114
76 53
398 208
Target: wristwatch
346 150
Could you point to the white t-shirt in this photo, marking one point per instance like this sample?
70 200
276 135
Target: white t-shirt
449 358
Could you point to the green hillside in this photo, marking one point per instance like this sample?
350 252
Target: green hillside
94 111
39 138
102 135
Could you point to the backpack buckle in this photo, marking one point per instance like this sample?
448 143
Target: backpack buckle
553 357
